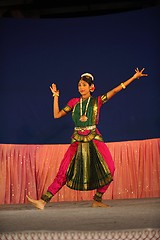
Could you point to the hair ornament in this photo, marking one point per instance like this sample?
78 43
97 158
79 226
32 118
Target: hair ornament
92 88
87 75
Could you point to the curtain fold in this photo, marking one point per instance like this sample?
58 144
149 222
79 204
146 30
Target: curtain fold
29 169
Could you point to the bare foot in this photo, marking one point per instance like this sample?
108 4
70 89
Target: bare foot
40 204
96 204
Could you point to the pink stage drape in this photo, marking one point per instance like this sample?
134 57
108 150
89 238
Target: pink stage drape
29 169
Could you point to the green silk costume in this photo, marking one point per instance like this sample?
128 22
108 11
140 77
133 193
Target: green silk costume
88 168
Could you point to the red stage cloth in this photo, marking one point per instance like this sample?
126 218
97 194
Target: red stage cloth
29 169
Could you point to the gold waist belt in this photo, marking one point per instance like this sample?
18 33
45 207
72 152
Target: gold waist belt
85 128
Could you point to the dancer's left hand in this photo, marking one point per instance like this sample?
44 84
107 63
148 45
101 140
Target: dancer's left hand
139 73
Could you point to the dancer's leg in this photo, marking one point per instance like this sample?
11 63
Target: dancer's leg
104 151
98 197
56 185
59 180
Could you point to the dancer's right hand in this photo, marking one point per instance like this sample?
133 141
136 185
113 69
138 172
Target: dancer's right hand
53 88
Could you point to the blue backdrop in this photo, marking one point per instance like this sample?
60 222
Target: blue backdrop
36 52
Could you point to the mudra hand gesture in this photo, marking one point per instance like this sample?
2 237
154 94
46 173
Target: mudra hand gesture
54 90
139 73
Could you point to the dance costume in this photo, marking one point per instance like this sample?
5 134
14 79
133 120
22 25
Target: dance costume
87 164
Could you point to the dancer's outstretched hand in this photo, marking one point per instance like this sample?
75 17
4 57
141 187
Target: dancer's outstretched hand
139 73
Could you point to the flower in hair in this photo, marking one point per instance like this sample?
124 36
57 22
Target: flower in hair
92 89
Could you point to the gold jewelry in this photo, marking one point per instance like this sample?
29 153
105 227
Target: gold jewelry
123 86
55 94
83 117
85 128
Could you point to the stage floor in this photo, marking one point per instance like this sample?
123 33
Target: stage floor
80 216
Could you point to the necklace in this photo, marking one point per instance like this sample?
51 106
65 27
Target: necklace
83 117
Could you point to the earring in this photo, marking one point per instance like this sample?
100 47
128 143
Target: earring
92 89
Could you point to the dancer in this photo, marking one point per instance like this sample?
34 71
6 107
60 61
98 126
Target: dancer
87 164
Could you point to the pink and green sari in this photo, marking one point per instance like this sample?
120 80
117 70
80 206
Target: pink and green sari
87 164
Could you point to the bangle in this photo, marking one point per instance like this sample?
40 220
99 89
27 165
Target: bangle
123 86
55 94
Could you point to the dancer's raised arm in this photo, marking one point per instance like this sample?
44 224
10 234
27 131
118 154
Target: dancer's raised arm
56 112
137 75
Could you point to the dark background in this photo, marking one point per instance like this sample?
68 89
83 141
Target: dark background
37 49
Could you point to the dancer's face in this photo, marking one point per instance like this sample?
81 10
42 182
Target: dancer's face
84 88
